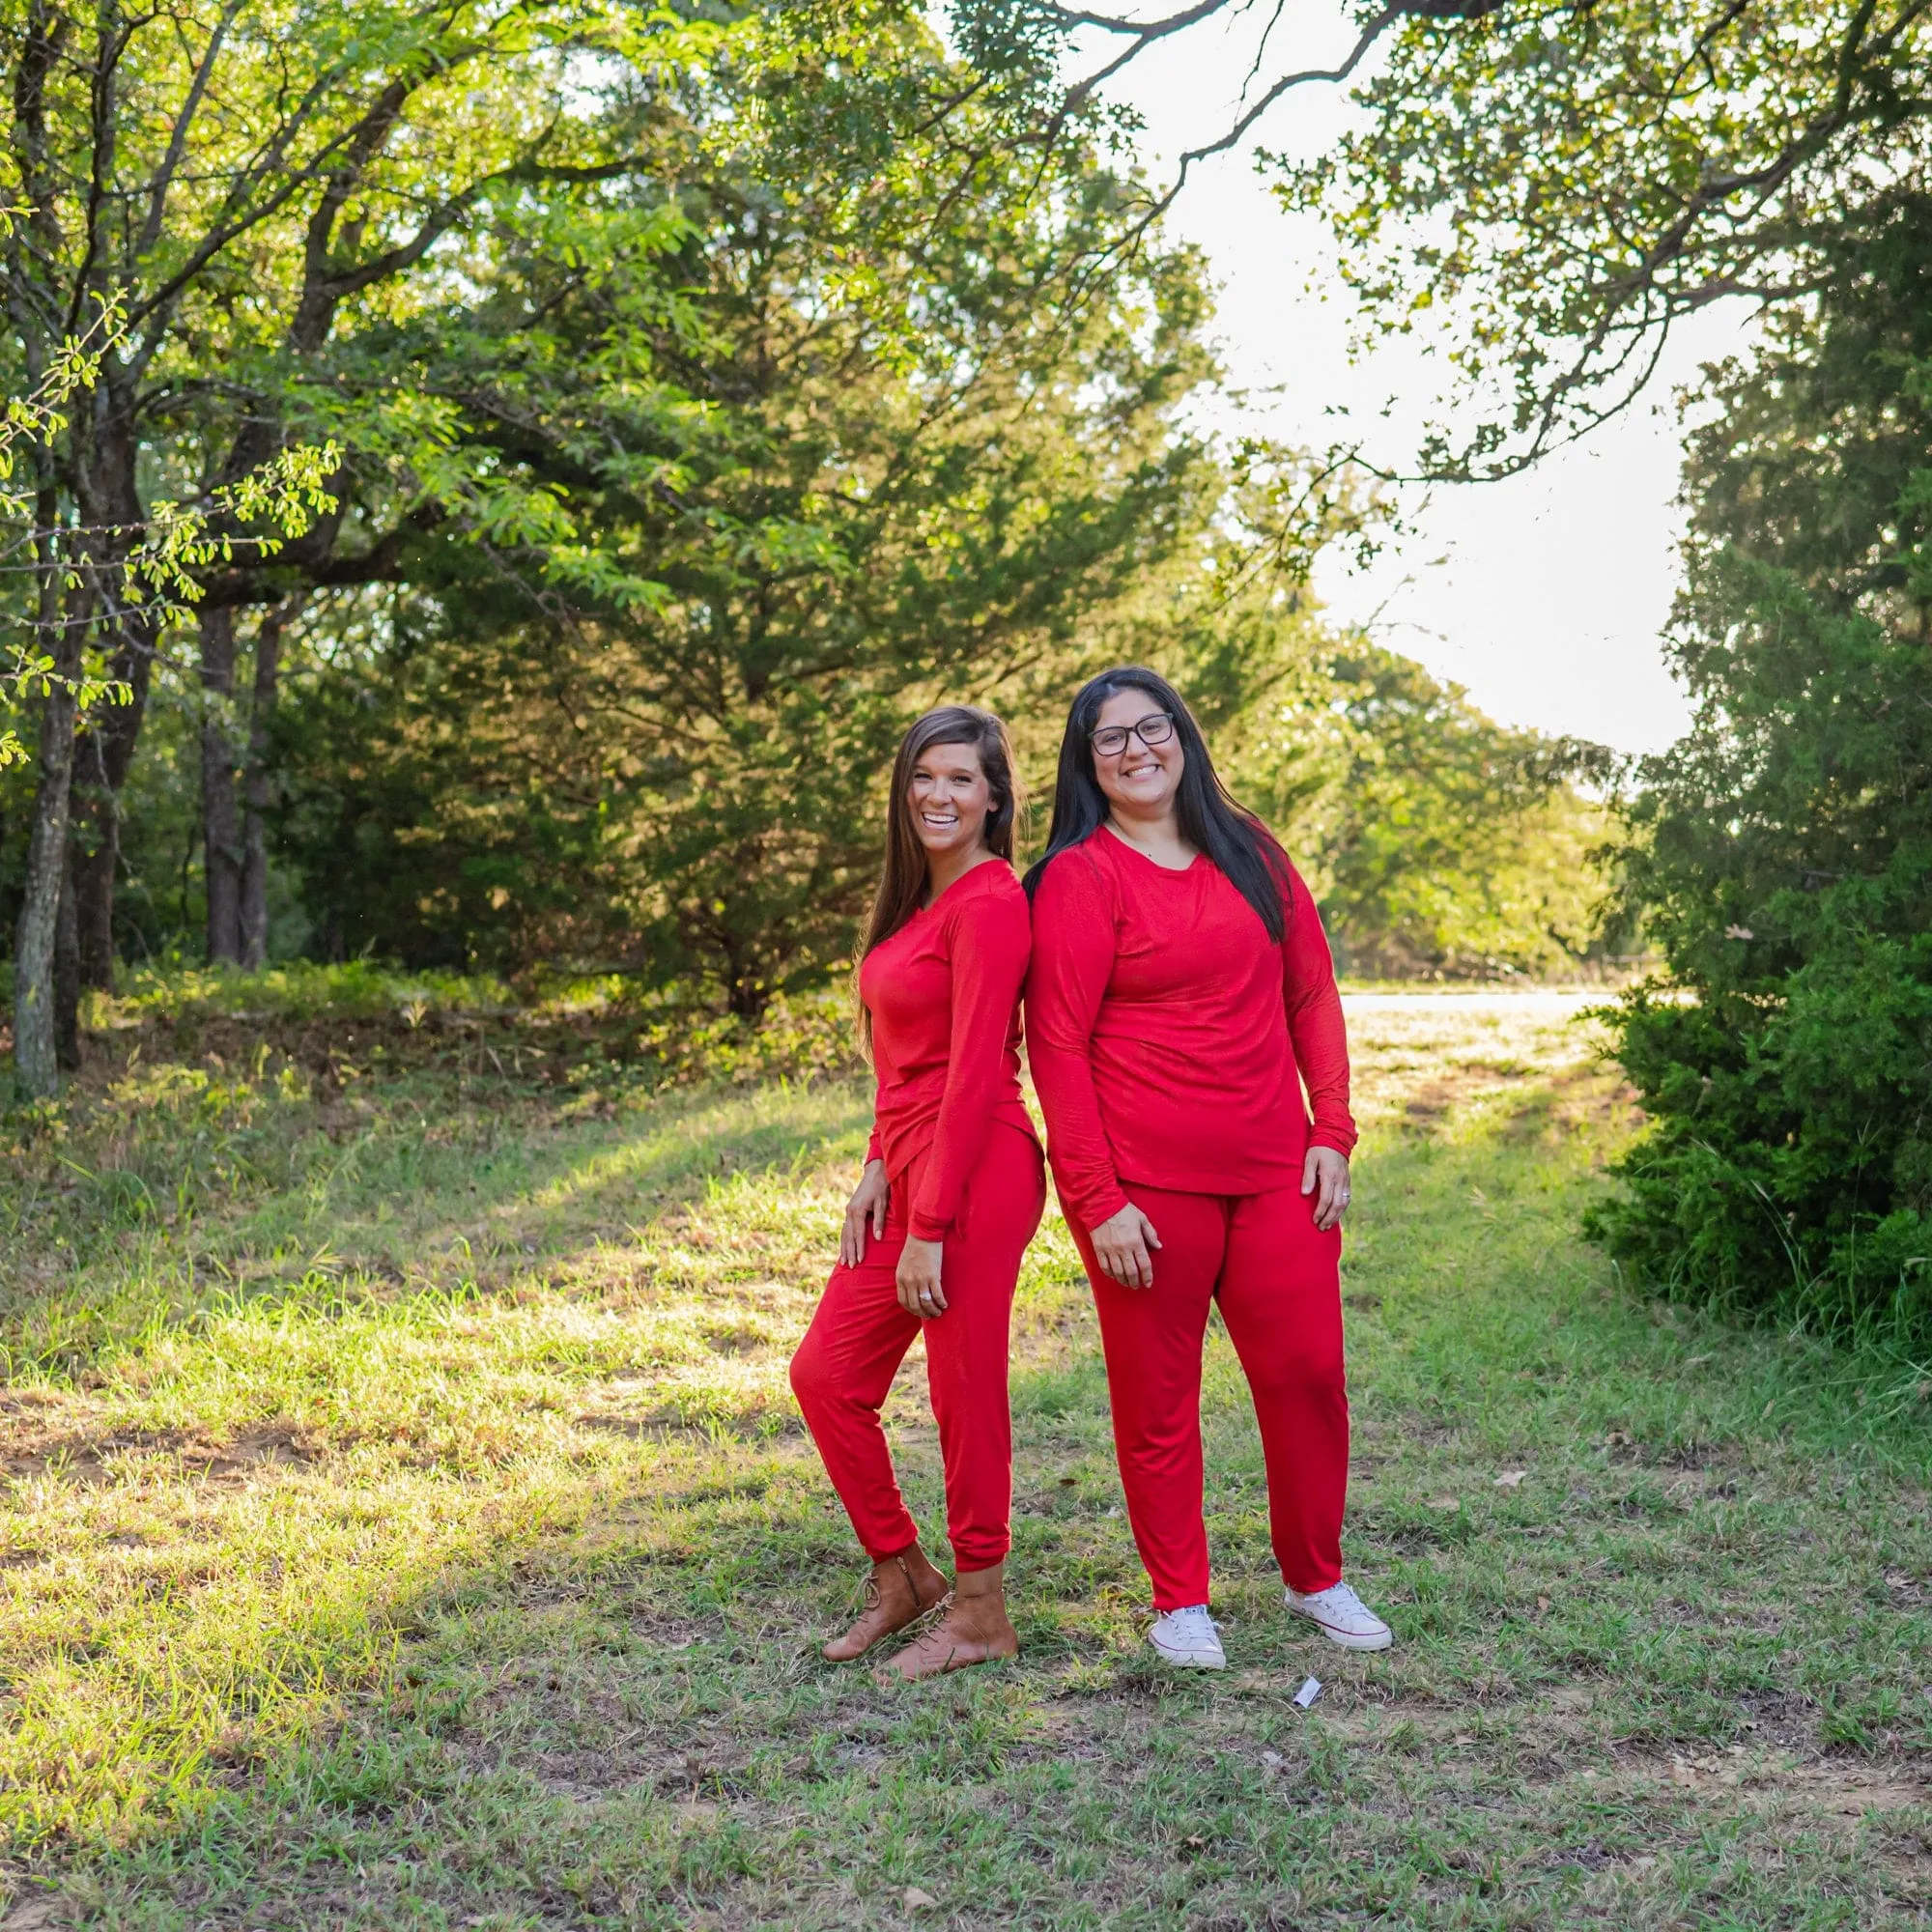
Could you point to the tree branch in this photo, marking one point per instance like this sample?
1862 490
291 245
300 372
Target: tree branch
171 160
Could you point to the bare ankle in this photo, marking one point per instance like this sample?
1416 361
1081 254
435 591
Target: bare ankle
971 1586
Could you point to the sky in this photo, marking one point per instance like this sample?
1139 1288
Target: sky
1544 595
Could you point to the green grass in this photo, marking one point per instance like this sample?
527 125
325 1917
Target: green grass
408 1525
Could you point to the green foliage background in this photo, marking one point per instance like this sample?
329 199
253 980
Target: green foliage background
1784 857
1552 191
753 393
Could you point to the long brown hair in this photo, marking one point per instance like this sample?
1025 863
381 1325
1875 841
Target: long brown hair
902 880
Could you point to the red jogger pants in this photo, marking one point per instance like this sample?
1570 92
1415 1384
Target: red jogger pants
1278 1282
845 1367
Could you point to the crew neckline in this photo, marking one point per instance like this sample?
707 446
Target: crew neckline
1128 845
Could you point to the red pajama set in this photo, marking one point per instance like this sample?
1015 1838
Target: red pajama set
1170 1040
965 1169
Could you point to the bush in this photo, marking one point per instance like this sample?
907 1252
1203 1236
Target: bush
593 1026
359 989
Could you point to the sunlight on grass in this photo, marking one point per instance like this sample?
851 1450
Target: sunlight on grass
415 1528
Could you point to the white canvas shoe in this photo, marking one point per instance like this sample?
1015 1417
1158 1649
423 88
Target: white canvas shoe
1188 1640
1343 1616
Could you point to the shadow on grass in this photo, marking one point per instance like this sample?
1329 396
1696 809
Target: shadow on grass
606 1706
571 1709
403 1208
622 1720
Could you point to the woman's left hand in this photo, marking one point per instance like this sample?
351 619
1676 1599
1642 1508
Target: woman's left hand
1324 1174
919 1292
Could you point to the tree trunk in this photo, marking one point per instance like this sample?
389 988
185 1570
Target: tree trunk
93 902
256 791
36 1056
66 973
105 752
110 499
36 1063
222 829
97 821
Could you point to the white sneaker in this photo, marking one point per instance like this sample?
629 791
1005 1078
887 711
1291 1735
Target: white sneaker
1188 1640
1343 1616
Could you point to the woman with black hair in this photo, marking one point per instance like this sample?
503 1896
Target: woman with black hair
952 1191
1180 996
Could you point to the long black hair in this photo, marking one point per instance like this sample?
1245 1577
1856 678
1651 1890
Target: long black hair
1210 821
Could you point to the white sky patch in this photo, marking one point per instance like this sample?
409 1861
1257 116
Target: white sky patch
1544 595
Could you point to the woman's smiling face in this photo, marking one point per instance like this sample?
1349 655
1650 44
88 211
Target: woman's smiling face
949 798
1140 780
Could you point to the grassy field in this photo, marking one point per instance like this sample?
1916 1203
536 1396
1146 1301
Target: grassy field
408 1525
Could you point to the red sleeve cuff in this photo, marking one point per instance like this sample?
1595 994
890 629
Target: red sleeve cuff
1103 1209
926 1229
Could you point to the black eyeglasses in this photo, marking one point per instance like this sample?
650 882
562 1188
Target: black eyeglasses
1156 728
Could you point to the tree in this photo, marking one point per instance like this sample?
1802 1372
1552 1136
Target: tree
731 395
1554 188
857 463
1440 844
71 578
1562 189
228 178
1785 859
1026 49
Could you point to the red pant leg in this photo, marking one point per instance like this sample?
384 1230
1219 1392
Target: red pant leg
1281 1297
841 1376
845 1367
1152 1338
966 1347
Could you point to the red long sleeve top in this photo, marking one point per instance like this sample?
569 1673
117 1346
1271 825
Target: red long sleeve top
944 994
1169 1037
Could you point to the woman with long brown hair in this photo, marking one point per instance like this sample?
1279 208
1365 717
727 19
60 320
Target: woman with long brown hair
952 1193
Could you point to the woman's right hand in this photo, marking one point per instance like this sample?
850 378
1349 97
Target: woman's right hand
867 1204
1121 1244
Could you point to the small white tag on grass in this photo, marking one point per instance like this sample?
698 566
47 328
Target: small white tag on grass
916 1900
1511 1479
1311 1689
